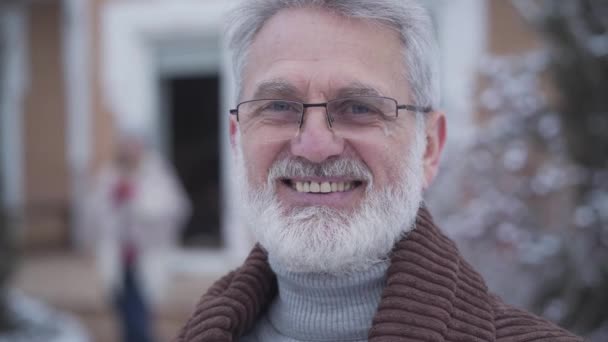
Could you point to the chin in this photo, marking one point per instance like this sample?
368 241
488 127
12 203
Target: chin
321 239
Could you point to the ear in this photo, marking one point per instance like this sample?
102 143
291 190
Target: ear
435 130
234 127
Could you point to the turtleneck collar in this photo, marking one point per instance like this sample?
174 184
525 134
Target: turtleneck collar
323 307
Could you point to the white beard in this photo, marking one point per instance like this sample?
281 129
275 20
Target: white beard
321 239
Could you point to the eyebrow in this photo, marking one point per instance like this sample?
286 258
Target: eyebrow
276 89
357 89
282 89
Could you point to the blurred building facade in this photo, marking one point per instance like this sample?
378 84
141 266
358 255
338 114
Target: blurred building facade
76 73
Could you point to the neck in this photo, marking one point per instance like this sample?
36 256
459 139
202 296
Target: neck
323 307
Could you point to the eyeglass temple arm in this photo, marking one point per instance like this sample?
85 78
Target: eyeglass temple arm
235 112
413 108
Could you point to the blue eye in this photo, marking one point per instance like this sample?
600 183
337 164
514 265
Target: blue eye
279 106
359 108
355 108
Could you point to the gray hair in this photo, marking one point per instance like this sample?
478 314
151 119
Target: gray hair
408 17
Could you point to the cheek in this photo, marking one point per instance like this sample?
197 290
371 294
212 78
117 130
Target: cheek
259 157
388 171
385 155
380 159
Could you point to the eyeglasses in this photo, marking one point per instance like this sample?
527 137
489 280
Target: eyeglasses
348 113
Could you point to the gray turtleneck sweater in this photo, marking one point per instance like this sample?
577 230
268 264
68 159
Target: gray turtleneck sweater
318 307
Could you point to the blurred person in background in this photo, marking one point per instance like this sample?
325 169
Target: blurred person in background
337 136
134 217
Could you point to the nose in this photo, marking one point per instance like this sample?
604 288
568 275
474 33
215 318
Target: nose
315 140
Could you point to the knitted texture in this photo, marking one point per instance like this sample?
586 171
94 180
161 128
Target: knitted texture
321 307
432 294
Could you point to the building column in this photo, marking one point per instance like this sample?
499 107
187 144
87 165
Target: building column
46 185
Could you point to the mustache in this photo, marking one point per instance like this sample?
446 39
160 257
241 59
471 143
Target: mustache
299 167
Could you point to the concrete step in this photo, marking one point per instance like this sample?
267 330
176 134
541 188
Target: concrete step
69 282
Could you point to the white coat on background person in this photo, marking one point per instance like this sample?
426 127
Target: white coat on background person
155 214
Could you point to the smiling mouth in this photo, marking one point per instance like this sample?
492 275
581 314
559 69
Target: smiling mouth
321 187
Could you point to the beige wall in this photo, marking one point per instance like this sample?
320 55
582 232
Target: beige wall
44 124
508 32
103 125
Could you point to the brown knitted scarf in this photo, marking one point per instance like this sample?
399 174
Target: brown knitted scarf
432 294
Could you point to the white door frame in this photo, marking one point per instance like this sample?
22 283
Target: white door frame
76 49
130 33
462 37
130 85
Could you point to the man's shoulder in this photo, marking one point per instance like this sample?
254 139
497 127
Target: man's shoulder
516 325
232 304
195 326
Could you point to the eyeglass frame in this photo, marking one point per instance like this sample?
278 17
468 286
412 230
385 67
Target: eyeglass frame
408 107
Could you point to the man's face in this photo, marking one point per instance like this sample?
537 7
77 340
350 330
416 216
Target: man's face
310 56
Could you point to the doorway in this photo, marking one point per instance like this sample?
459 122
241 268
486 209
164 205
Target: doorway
192 107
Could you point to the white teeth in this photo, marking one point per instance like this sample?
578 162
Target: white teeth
324 187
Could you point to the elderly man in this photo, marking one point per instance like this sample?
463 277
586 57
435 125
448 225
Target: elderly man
336 136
